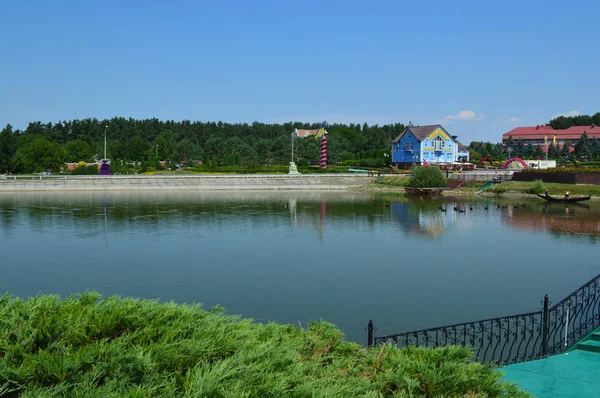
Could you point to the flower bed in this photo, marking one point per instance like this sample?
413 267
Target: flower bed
565 170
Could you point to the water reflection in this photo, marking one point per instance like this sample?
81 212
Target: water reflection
556 218
89 213
346 257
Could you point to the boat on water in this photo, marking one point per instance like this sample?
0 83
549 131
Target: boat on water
564 199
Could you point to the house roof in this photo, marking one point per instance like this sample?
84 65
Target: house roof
539 132
305 133
461 147
420 132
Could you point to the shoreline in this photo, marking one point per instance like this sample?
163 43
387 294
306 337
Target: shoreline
187 183
221 182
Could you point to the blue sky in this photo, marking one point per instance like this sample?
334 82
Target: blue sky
478 67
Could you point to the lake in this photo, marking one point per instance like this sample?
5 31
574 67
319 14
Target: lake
291 256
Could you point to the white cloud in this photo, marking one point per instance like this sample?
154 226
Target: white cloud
568 114
511 120
465 115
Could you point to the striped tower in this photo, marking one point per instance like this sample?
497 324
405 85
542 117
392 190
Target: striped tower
323 151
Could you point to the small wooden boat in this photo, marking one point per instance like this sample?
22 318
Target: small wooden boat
563 199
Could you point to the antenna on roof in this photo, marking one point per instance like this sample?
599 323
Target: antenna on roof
410 124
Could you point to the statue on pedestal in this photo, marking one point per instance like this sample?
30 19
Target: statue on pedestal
293 169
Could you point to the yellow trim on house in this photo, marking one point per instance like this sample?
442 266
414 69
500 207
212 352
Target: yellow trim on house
440 132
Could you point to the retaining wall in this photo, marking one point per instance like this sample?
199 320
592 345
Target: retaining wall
154 183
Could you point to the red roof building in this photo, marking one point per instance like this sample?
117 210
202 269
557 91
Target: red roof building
538 135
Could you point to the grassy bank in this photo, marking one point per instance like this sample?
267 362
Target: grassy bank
553 188
86 346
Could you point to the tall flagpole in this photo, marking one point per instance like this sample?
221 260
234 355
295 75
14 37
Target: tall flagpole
105 127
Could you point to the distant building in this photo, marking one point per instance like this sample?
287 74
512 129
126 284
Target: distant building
427 144
540 135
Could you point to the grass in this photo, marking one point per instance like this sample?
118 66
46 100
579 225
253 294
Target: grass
89 346
553 188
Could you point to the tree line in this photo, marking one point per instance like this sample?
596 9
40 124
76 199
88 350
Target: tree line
564 122
47 146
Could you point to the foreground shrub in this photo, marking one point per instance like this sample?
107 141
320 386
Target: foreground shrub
87 346
426 177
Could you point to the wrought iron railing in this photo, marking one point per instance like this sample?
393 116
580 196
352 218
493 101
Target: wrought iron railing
514 338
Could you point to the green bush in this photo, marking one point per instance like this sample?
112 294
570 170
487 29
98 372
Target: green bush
87 346
426 177
303 162
501 188
85 170
537 186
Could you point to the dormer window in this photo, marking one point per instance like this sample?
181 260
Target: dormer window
438 143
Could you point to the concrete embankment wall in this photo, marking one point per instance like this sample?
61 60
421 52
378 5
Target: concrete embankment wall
203 182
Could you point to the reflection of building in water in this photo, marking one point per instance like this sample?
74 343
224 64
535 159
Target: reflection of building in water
430 222
558 219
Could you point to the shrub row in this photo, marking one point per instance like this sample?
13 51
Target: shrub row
87 346
564 170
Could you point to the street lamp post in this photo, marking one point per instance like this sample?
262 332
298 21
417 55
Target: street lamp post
105 128
292 147
293 170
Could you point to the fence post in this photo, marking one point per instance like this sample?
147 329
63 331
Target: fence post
370 334
545 328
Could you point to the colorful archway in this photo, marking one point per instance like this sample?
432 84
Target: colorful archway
509 161
485 159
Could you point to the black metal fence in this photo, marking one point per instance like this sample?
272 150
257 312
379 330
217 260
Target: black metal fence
514 338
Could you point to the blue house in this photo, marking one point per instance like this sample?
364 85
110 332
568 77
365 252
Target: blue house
427 144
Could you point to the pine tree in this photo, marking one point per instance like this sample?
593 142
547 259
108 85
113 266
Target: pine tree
8 147
583 147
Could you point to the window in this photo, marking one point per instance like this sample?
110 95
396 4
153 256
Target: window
438 143
408 146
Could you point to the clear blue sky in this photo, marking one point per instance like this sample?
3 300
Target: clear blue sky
478 67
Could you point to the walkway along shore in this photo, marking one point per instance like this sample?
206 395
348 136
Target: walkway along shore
187 182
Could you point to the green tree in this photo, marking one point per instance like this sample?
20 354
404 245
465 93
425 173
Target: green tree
426 177
40 155
8 147
187 150
79 150
136 149
166 145
510 146
584 146
553 151
538 152
565 151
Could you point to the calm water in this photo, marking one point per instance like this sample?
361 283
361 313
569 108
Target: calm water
293 256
